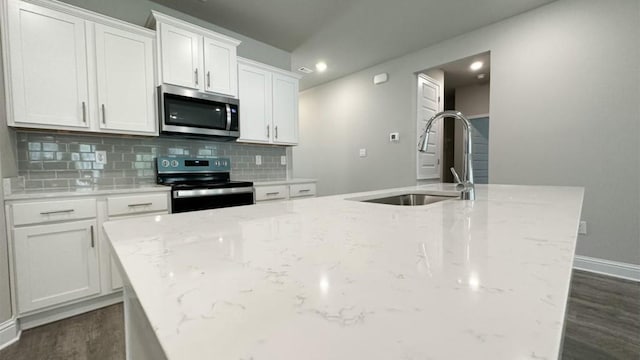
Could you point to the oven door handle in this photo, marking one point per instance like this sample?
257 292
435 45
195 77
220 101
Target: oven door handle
228 117
179 194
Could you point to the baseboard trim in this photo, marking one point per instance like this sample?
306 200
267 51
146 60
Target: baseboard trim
607 267
48 316
9 333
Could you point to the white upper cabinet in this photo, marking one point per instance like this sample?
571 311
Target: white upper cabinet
70 69
220 67
268 104
180 53
124 66
255 104
194 57
285 109
48 67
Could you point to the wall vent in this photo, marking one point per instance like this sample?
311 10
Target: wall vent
305 70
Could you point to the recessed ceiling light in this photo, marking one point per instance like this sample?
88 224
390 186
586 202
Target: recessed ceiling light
476 66
321 66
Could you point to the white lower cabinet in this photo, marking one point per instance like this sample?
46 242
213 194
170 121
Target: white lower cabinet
55 263
285 190
62 261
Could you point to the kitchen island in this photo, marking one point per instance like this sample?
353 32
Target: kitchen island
337 278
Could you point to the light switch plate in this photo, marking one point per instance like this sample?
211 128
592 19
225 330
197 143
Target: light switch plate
363 152
258 159
101 157
283 160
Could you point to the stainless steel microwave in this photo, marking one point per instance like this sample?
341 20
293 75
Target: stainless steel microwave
190 112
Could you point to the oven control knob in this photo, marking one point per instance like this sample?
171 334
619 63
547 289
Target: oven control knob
165 163
174 163
225 163
217 163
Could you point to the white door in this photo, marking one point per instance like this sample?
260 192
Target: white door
285 109
48 67
125 80
220 68
181 57
55 263
429 103
255 94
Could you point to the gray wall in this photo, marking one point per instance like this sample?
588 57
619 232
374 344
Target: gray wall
564 111
137 12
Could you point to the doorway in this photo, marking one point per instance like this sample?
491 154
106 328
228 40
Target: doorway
464 88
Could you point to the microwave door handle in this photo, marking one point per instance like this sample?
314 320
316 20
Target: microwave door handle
228 117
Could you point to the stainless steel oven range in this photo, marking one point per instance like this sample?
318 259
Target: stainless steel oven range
202 183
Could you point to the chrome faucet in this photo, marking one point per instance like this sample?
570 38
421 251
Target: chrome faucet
465 186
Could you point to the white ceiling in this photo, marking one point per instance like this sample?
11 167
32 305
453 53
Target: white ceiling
350 35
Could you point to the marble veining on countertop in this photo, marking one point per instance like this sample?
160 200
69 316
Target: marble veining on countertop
336 278
26 194
284 182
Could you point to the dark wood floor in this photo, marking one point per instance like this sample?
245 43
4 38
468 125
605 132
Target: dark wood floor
603 322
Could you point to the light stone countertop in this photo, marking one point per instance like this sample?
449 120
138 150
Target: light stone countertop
284 182
28 194
333 278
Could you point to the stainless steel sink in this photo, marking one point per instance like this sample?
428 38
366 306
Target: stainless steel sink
412 199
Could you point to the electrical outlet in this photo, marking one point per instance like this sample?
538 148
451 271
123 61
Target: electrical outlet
258 159
394 137
101 157
582 229
363 152
283 160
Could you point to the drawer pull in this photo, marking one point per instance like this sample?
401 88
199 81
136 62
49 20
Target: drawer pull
304 190
273 193
57 212
141 204
93 240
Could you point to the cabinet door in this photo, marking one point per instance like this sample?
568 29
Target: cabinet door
254 87
285 109
124 66
220 68
48 68
180 57
55 263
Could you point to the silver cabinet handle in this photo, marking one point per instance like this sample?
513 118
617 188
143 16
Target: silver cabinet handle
196 76
273 193
208 79
304 190
276 131
93 240
104 115
141 204
57 212
84 112
267 130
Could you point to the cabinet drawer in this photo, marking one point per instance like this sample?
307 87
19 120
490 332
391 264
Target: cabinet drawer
129 205
299 190
54 210
272 192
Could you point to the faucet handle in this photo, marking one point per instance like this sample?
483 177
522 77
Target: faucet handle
455 175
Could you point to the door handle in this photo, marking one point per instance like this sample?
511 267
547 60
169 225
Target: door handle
273 193
196 76
276 128
57 212
104 116
208 79
267 131
140 204
93 240
84 112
